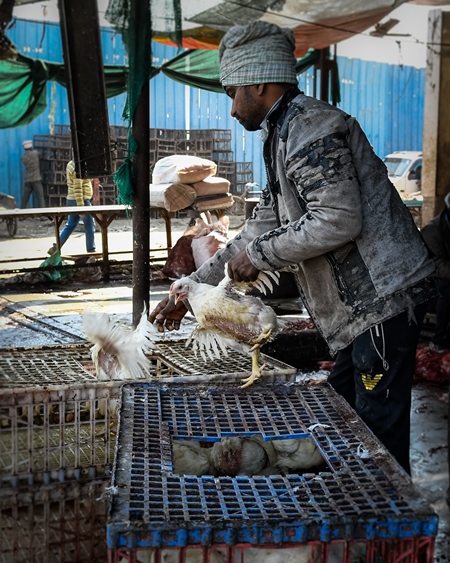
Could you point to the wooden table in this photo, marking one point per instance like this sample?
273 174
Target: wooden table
103 215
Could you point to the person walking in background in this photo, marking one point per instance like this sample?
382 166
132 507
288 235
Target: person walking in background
79 193
33 184
437 236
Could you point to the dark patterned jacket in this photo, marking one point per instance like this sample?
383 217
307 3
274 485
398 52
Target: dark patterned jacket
330 211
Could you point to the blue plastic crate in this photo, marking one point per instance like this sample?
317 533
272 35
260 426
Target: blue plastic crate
364 494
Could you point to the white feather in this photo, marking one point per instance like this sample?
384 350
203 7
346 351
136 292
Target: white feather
119 351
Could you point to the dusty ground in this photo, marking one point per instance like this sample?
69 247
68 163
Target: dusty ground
51 314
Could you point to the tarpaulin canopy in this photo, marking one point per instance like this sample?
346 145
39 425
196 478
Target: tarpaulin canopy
23 81
316 23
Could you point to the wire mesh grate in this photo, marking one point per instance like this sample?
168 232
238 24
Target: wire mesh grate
40 367
235 363
58 522
362 492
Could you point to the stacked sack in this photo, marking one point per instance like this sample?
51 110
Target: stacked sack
182 181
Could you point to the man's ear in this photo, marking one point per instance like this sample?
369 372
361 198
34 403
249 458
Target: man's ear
260 89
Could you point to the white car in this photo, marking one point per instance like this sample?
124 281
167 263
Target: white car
405 171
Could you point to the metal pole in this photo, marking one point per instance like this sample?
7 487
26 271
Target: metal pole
324 74
141 206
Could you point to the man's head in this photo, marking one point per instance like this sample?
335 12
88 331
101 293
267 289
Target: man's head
27 145
257 65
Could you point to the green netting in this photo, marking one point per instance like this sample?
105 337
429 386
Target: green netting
23 82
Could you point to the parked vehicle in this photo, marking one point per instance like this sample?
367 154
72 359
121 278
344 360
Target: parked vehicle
405 171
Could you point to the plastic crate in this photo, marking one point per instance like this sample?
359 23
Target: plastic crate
223 156
57 420
362 500
52 141
63 522
61 129
214 134
52 425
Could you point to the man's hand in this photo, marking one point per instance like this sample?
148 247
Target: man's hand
168 314
241 269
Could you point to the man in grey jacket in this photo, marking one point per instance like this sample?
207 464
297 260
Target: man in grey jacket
329 212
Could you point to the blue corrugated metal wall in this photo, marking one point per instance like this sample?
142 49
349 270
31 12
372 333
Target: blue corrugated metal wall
386 99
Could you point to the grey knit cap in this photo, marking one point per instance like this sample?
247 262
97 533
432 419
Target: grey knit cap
257 53
447 200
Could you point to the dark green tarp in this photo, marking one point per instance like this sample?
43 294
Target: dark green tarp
23 92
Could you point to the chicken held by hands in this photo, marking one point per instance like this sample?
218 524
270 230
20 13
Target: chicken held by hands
227 319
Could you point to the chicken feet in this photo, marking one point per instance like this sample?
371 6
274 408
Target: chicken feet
255 352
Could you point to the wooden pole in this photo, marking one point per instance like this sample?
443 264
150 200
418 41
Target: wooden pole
141 207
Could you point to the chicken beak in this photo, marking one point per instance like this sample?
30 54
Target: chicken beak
178 295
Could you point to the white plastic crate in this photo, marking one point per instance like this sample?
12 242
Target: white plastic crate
56 432
57 523
57 420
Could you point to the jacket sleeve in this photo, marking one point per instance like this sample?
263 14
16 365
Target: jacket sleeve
262 220
317 168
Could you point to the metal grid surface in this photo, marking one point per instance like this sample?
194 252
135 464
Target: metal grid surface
232 365
62 365
57 420
63 522
41 366
57 432
363 493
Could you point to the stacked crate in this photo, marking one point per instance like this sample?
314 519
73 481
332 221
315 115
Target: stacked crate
360 507
212 144
55 151
58 426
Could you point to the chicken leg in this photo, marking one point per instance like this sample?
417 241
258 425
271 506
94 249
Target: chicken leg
255 352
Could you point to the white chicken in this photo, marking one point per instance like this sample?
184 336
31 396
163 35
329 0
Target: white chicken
118 351
189 458
296 454
227 318
238 456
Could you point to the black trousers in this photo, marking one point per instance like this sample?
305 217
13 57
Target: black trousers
375 374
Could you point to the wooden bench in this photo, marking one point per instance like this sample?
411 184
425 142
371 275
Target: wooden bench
103 215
